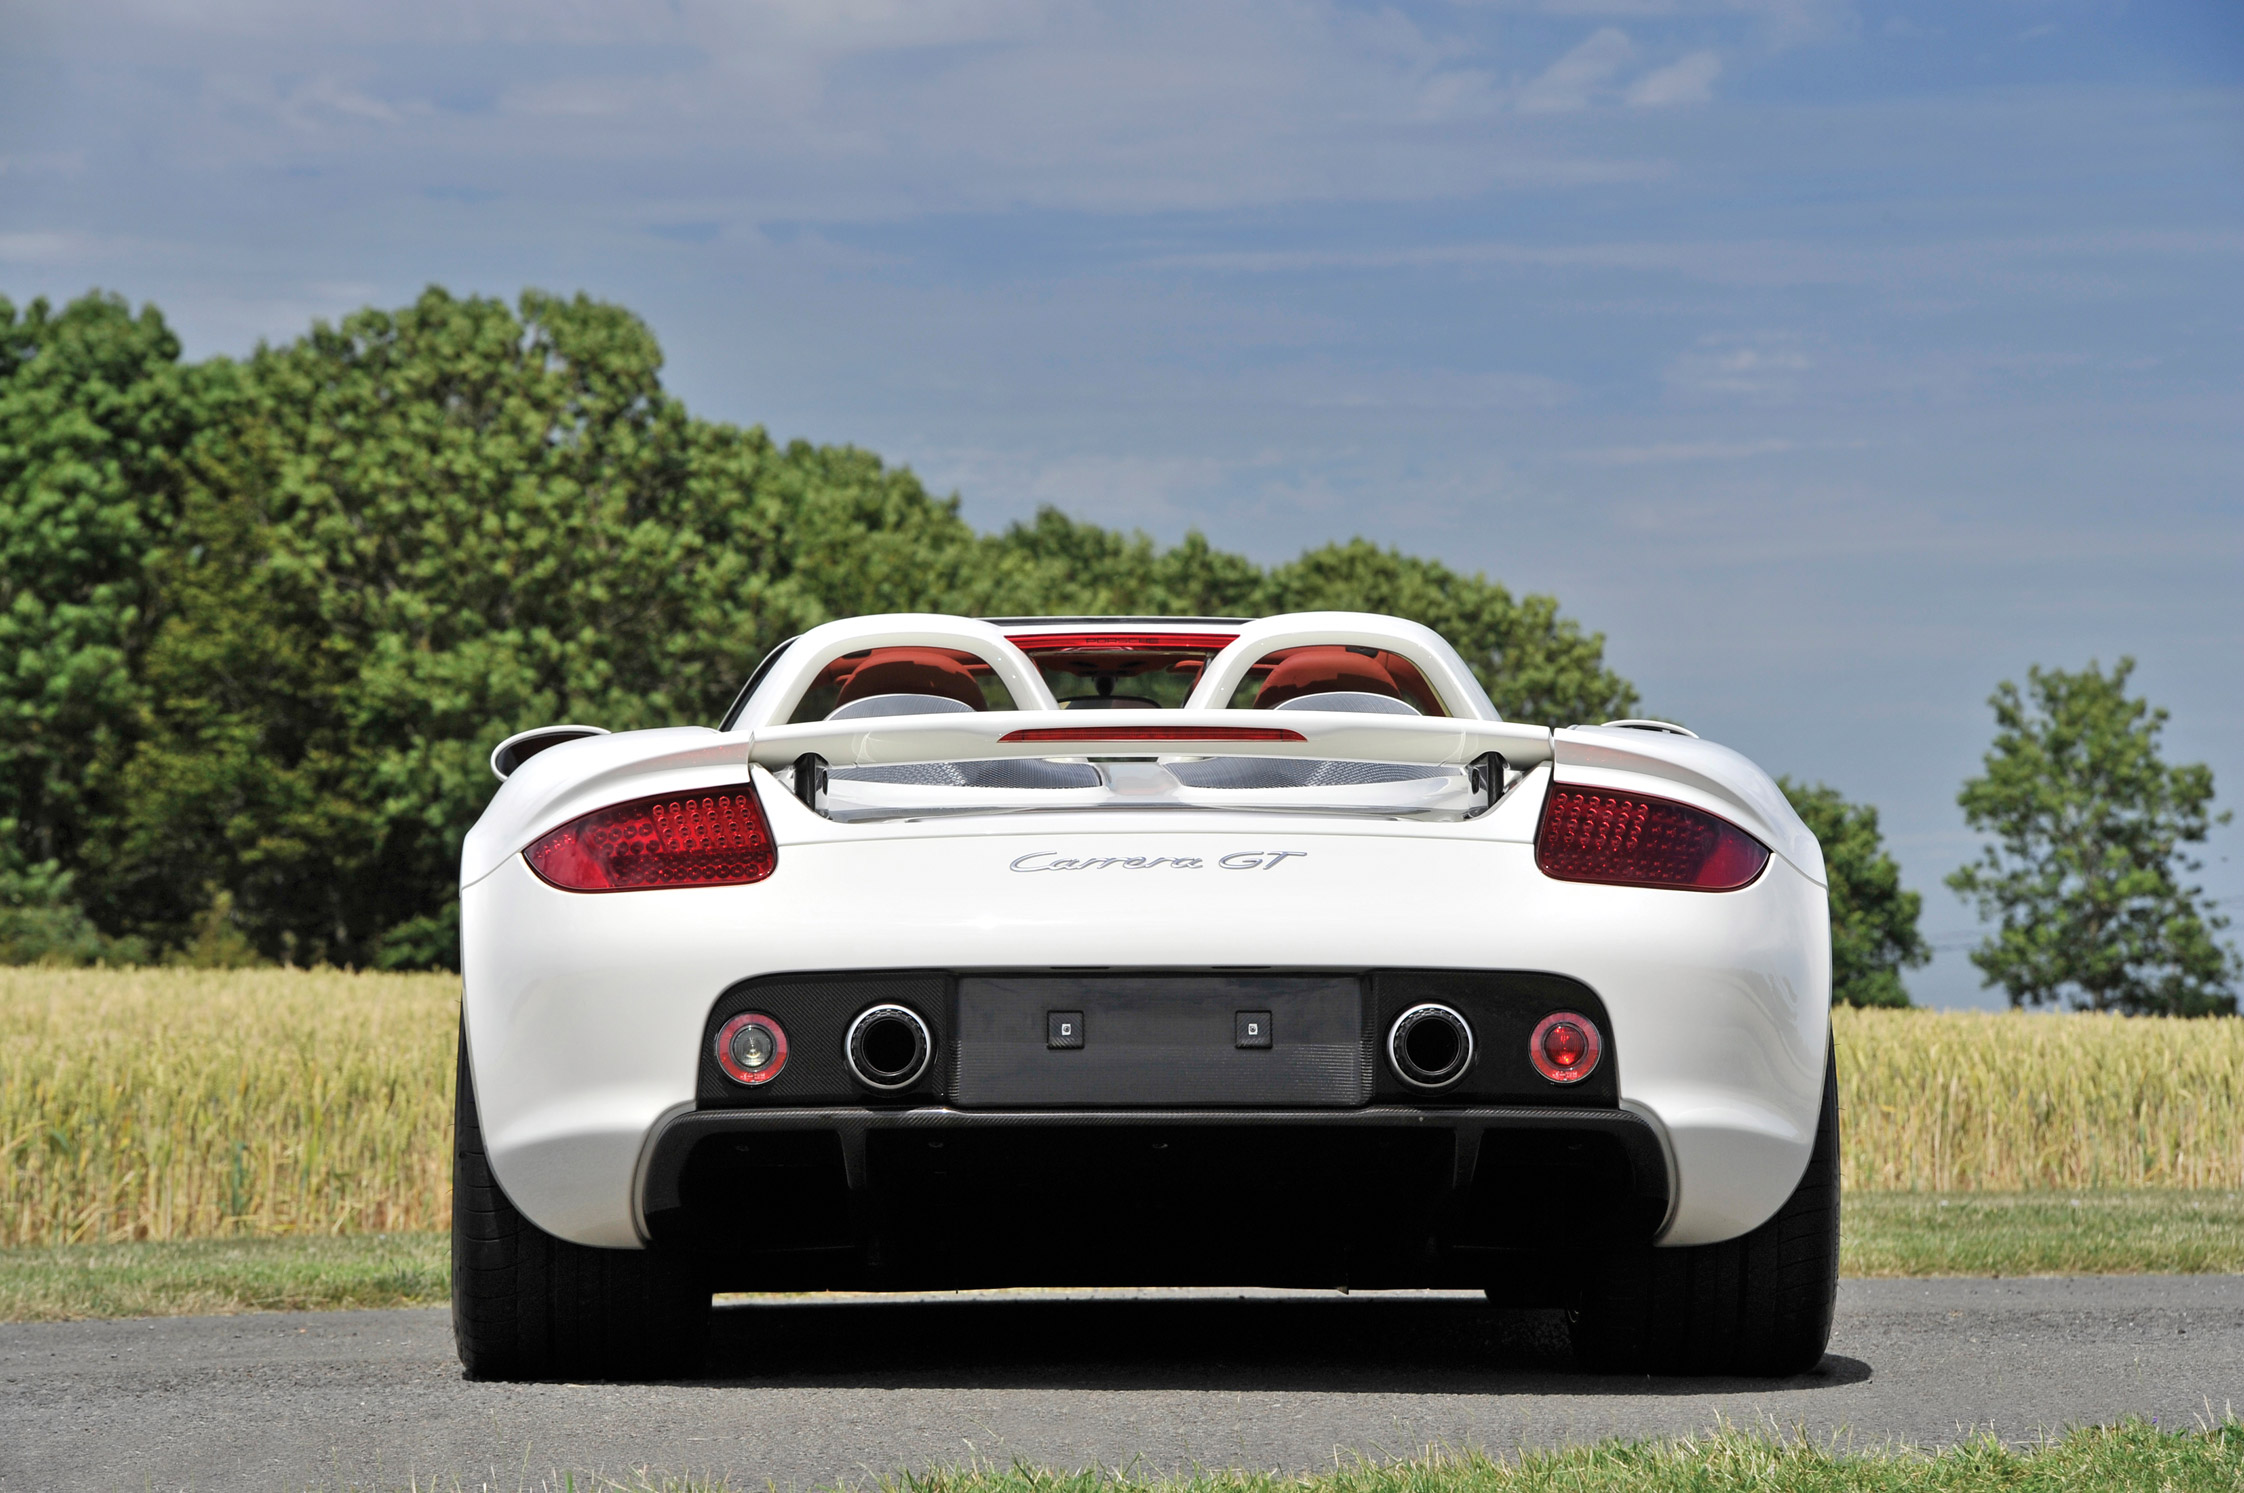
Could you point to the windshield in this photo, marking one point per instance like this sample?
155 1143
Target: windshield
1088 676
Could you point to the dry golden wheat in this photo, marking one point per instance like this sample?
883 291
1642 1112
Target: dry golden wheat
1965 1101
167 1104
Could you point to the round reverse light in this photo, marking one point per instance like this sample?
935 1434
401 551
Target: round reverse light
751 1048
888 1047
1430 1046
1565 1047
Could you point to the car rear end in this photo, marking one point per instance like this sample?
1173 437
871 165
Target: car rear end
1421 1023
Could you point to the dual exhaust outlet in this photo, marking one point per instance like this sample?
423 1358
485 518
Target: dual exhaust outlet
889 1047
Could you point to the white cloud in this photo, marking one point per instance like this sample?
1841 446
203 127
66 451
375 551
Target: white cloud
1757 367
1570 82
47 247
1666 452
1689 80
1783 22
856 110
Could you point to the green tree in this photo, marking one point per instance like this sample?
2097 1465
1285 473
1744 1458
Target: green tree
2086 868
1874 933
95 415
419 531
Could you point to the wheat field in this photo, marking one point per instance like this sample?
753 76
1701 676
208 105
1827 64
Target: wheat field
1966 1101
183 1104
176 1104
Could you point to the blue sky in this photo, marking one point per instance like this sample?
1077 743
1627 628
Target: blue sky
1836 360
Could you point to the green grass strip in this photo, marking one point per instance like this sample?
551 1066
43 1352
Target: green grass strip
177 1278
1887 1234
2120 1459
2131 1457
2154 1232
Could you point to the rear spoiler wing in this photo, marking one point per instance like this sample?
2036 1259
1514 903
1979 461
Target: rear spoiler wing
883 741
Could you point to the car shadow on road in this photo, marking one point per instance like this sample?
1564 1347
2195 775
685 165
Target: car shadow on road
1360 1344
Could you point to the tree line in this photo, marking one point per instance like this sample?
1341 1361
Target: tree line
262 619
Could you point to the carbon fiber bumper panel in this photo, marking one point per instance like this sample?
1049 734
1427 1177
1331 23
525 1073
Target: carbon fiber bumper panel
1385 1196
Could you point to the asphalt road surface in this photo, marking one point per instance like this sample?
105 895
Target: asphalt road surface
813 1392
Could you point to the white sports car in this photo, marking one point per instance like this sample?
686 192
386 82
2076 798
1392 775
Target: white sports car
1140 951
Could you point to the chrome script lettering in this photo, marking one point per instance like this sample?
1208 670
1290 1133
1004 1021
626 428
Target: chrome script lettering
1237 860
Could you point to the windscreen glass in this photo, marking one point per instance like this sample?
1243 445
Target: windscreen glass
1095 671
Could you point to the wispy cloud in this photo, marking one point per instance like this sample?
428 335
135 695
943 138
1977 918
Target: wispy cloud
1688 80
1669 452
1571 82
57 247
1759 262
1760 366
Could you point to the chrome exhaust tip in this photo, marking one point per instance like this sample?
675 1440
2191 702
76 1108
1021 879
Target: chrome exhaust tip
1430 1046
888 1047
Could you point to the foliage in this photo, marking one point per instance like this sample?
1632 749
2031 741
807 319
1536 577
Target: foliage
1873 921
2086 870
425 530
42 923
95 412
261 622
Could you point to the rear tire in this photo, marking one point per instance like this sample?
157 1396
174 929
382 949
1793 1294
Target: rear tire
1759 1305
526 1305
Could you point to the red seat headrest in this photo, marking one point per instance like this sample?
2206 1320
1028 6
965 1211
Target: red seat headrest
1321 671
912 671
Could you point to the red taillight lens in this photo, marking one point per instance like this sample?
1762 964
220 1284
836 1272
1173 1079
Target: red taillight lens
1593 834
1565 1047
1153 733
715 837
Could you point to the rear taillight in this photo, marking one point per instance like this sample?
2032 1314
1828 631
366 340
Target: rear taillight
1594 834
1565 1047
715 837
